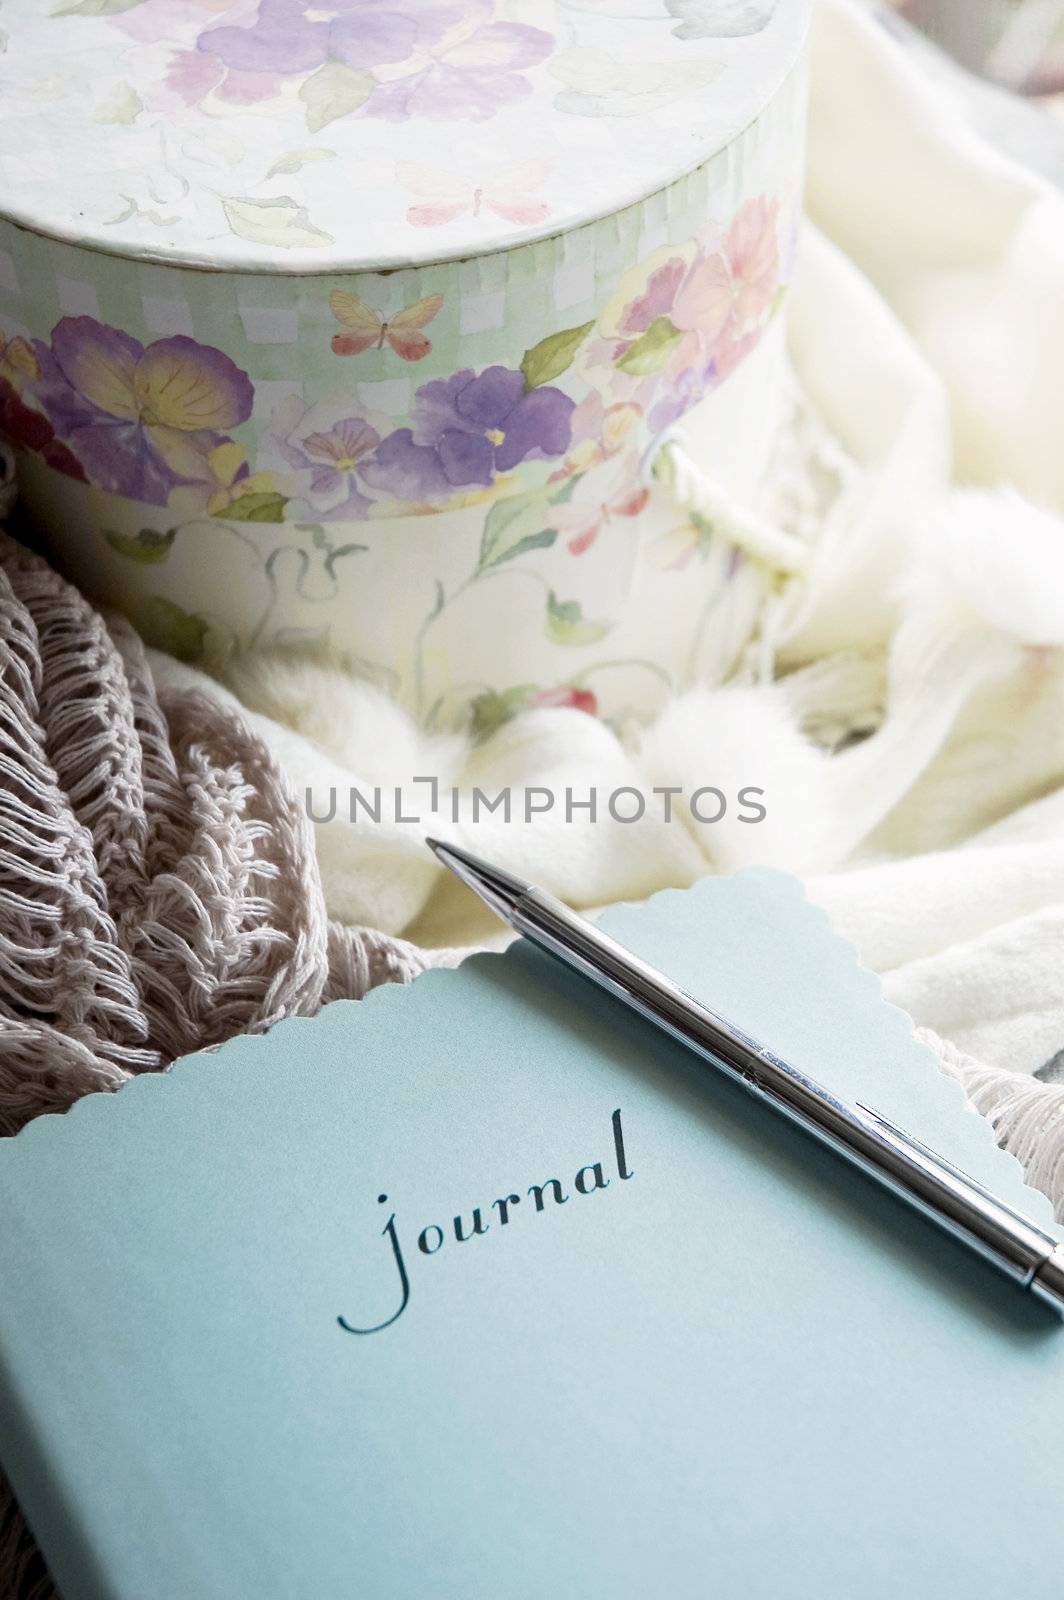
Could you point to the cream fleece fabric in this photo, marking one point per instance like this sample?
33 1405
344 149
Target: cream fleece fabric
927 341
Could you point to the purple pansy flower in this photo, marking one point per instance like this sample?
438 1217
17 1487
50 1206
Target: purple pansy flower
467 80
141 420
484 423
466 429
407 470
464 65
289 37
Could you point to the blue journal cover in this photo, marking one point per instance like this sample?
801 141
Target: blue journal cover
486 1288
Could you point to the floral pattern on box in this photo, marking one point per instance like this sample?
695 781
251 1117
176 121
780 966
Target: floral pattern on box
405 411
447 60
214 130
154 423
172 437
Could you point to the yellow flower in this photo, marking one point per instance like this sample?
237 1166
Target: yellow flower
18 360
226 462
225 481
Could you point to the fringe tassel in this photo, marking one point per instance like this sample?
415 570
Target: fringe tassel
1027 1116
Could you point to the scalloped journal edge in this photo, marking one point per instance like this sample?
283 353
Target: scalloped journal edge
191 1071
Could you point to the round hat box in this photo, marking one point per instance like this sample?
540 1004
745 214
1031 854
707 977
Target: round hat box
349 326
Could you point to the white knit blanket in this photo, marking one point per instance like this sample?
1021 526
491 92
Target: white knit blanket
924 466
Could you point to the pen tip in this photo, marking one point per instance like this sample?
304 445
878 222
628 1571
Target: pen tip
497 888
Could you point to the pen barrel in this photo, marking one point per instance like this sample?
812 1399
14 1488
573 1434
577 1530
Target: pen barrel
894 1159
917 1174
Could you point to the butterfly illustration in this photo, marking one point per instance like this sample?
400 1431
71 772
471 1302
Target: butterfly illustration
18 360
580 525
366 329
509 193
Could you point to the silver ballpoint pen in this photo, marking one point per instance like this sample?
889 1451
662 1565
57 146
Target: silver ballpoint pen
1015 1245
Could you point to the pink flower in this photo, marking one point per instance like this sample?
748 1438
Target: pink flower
189 78
730 291
328 453
723 290
690 315
657 299
336 456
568 696
192 76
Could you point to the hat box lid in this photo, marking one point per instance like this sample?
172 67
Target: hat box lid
273 136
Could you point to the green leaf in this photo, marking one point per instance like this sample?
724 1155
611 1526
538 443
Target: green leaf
651 350
521 522
96 8
490 711
551 357
281 222
265 507
148 547
566 623
122 106
166 626
296 160
334 91
531 541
